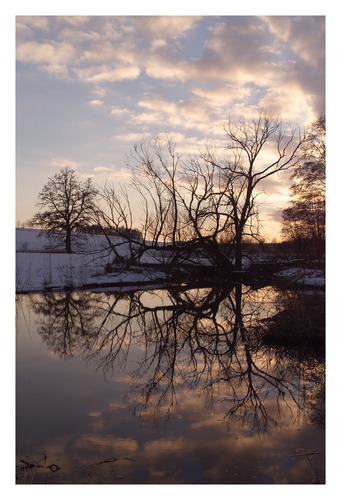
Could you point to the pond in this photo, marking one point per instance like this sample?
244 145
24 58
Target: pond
177 386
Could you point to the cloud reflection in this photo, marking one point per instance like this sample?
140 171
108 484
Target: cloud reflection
214 406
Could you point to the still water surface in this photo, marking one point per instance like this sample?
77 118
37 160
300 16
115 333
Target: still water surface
163 387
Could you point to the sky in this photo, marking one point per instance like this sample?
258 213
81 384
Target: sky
89 87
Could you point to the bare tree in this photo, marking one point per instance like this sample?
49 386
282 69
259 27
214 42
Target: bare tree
66 205
182 206
256 150
190 203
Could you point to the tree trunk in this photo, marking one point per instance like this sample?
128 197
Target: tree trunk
68 241
238 254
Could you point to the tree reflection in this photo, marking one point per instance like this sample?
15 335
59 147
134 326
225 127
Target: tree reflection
65 320
207 340
297 331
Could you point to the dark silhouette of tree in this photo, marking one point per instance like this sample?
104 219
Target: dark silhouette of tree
304 219
192 203
65 206
256 150
181 213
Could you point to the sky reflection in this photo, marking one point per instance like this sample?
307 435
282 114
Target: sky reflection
153 419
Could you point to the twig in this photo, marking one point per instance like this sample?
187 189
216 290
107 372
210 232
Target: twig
315 452
29 465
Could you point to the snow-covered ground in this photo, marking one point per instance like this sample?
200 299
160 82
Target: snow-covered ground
312 278
39 270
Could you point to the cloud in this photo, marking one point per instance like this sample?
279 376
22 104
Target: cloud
113 173
223 95
161 66
74 20
63 163
182 114
107 73
159 29
132 137
290 101
102 170
119 111
28 24
305 35
237 49
109 51
96 102
75 43
231 54
48 56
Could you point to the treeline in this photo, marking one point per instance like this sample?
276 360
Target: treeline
124 232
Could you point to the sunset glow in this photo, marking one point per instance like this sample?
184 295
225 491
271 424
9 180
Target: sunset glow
89 87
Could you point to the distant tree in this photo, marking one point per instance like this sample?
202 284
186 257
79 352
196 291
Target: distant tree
130 233
303 220
65 206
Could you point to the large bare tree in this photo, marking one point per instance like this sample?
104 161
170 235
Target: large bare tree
254 151
182 207
191 203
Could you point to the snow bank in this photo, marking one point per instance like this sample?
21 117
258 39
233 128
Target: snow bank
303 277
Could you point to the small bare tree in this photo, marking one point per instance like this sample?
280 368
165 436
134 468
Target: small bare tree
66 206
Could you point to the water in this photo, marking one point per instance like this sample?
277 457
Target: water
167 387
